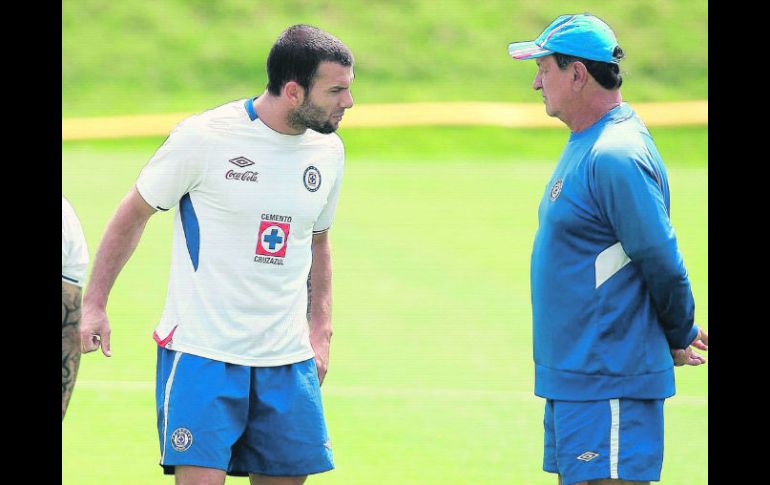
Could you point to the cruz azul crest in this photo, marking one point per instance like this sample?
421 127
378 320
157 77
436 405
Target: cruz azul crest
312 178
556 189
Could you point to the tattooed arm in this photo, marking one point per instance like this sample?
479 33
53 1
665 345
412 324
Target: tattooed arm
70 341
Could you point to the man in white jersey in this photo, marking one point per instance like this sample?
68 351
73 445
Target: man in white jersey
74 261
257 181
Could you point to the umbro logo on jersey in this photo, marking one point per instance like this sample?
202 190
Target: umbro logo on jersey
241 162
241 176
556 190
588 456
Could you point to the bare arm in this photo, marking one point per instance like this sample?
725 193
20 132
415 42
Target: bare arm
70 341
321 302
118 243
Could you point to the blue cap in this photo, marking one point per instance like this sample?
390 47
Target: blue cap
581 35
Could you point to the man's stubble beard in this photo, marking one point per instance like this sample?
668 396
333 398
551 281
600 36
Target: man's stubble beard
309 115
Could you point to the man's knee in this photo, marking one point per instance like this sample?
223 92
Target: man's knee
197 475
267 480
608 481
611 481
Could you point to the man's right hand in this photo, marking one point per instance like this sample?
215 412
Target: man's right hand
94 330
118 243
688 356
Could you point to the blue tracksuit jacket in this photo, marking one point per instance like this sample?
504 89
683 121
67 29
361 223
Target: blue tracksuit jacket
610 293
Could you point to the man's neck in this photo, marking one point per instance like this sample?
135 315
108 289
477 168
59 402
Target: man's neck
271 111
593 110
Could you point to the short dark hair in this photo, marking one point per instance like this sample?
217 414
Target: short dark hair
606 73
296 54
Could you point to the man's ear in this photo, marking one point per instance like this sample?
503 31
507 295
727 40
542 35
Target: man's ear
293 92
579 75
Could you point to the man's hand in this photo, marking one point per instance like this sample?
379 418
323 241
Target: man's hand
94 330
118 243
319 340
688 356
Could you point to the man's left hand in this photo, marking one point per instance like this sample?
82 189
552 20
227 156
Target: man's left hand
688 356
319 340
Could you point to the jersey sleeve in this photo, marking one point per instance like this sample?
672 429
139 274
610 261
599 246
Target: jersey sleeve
176 168
632 191
326 218
74 251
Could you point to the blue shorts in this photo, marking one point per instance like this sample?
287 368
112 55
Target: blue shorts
241 419
610 438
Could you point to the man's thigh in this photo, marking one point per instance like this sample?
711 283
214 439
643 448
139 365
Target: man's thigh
618 439
286 435
202 407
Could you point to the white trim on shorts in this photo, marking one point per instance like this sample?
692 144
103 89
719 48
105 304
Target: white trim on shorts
169 383
614 437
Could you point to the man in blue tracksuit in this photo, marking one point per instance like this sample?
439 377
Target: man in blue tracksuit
612 306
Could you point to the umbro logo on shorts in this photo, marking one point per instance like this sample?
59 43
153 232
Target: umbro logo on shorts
588 456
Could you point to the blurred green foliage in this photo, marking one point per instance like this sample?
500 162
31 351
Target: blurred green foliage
136 56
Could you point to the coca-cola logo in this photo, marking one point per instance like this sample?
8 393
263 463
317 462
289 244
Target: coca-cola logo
242 176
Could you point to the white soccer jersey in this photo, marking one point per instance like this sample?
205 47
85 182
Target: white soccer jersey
250 200
74 252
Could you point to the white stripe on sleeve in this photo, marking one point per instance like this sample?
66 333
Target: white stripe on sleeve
609 262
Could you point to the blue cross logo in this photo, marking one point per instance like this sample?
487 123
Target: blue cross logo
273 239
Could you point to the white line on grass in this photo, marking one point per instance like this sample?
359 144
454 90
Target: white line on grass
380 392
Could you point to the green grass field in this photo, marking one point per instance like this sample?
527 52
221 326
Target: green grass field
431 371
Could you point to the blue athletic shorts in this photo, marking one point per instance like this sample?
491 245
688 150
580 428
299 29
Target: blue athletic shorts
610 438
241 419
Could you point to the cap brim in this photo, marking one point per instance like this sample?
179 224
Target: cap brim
526 50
